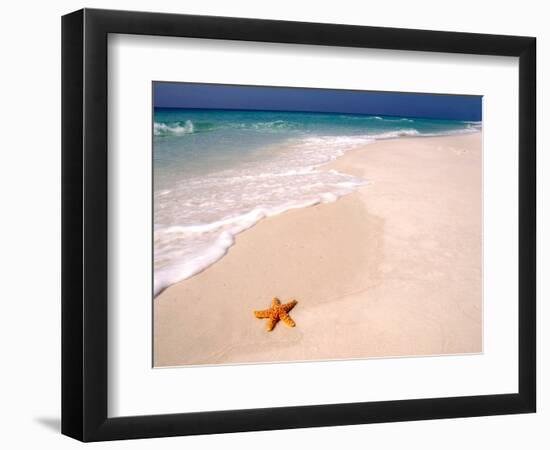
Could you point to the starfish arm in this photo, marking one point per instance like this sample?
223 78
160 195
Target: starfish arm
288 306
286 319
264 314
271 321
275 302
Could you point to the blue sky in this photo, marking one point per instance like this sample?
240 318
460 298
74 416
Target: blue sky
220 96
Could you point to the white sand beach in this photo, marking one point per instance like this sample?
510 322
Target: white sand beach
393 269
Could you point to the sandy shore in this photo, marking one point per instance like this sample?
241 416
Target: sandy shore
391 270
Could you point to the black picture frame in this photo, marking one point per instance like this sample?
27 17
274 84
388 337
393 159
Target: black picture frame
84 224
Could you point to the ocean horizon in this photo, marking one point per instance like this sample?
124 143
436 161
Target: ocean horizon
219 172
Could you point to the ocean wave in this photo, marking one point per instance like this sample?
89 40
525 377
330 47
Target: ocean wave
476 125
397 133
467 130
412 132
389 119
271 125
173 128
403 119
181 128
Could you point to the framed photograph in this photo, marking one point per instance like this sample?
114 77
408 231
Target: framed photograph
273 224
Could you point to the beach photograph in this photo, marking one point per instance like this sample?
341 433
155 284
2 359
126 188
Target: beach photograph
303 224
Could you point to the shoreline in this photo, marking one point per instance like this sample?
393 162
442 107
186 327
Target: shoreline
345 260
323 167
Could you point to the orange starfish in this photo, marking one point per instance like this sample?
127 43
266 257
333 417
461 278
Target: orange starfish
277 312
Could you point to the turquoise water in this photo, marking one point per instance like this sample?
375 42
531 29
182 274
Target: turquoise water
217 173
